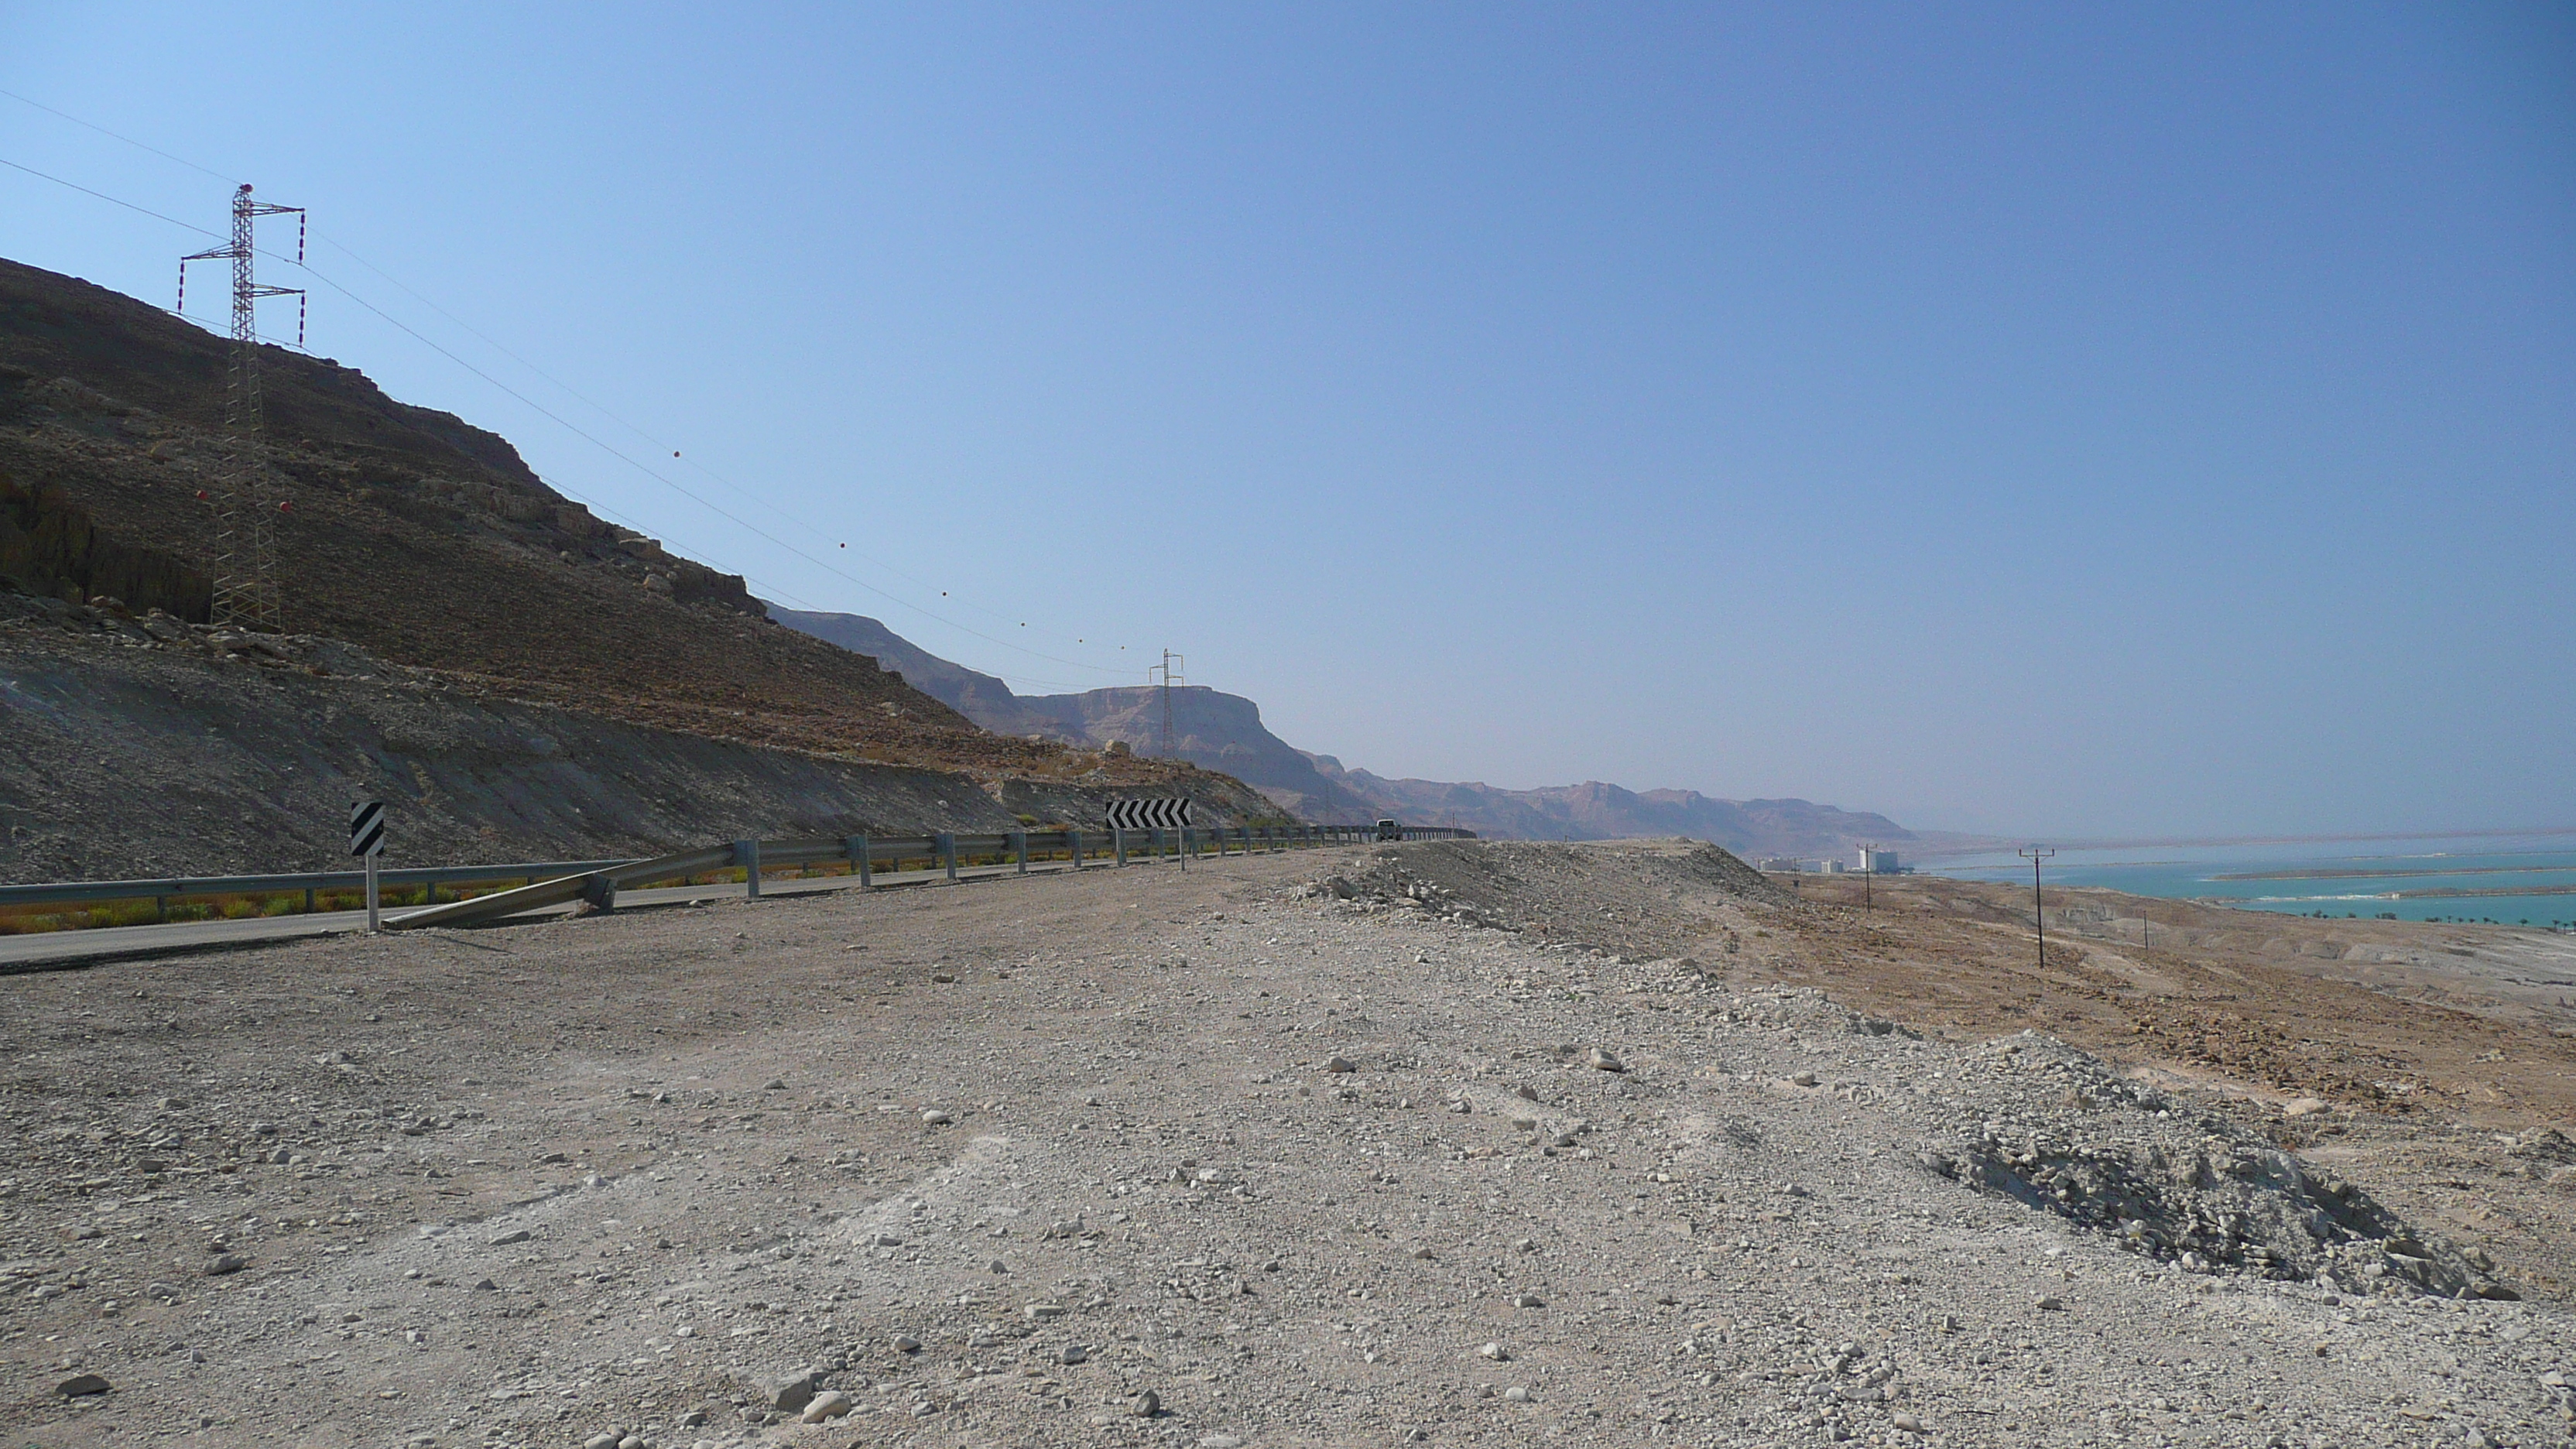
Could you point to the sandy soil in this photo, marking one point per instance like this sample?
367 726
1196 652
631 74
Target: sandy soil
1468 1144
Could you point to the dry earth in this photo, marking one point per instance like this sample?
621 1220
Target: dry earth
1074 1161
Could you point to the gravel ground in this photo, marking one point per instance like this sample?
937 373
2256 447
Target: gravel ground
1305 1150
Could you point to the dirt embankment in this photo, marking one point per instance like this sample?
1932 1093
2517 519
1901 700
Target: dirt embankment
2430 1055
123 754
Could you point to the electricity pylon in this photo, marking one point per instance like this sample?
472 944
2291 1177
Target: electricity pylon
245 541
1170 670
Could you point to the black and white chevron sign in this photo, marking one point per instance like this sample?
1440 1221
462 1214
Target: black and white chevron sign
1165 814
367 828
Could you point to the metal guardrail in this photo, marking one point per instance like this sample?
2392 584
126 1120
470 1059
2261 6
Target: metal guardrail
946 852
864 854
181 888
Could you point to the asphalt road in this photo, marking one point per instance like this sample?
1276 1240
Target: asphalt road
49 950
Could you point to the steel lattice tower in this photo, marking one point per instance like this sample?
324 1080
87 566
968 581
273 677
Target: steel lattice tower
1170 670
245 541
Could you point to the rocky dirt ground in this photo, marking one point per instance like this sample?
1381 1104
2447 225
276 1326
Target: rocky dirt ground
1468 1144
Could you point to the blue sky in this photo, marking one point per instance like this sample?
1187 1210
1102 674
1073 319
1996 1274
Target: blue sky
2045 418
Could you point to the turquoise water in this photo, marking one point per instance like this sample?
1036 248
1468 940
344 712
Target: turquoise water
2363 878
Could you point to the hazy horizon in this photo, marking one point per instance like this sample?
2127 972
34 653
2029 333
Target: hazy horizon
2013 419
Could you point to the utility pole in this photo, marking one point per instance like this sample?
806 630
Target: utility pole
1170 670
245 542
1868 869
2038 912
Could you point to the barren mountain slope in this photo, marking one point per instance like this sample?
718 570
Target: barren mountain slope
981 697
428 542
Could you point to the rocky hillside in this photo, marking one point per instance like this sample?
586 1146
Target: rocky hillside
980 697
428 542
145 748
1224 732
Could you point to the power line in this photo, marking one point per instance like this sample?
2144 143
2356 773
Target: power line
738 520
113 136
103 196
553 416
605 411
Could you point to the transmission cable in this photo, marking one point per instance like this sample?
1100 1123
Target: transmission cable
557 418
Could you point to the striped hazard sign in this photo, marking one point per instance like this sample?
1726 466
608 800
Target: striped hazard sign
1165 814
367 828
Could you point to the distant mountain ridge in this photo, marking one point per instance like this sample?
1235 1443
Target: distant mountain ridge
1221 731
1206 724
1597 811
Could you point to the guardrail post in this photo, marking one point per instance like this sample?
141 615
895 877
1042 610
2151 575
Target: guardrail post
1154 842
1020 849
947 853
857 846
601 891
1073 845
1118 844
746 853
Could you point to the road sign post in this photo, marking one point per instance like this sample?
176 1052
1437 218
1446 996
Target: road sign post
367 841
1154 816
